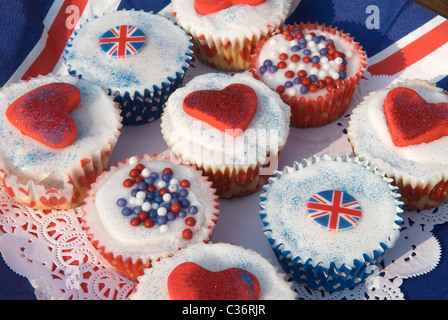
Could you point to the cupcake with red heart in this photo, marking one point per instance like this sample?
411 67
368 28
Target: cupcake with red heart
402 129
315 69
231 127
226 32
147 208
57 136
138 57
218 271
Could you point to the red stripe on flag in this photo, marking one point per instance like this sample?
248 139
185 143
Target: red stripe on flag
413 52
58 35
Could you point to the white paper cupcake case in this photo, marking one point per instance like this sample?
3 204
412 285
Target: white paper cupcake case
315 274
141 107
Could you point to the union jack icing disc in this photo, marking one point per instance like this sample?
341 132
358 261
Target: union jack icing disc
122 41
334 210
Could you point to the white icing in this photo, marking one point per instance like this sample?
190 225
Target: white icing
370 136
164 54
107 223
285 209
235 24
277 44
96 120
200 143
214 257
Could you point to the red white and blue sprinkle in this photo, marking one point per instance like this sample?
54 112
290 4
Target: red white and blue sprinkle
322 65
156 198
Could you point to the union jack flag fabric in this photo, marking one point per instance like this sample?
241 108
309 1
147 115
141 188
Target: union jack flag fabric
334 210
122 41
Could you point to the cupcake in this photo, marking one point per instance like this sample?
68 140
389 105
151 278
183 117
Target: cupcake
225 33
147 208
217 271
231 127
329 220
140 58
57 136
401 129
315 69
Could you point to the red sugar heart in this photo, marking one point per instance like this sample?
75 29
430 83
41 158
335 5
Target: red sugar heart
230 108
412 120
211 6
44 114
190 281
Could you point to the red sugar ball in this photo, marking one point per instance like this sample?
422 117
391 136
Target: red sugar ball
128 183
312 88
302 73
175 207
135 222
280 89
289 74
139 179
330 87
306 59
151 188
167 170
139 167
142 215
185 183
281 65
148 223
306 81
187 234
134 173
283 56
295 58
190 221
163 191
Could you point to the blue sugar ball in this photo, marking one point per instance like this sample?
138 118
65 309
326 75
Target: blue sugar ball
342 74
161 220
323 51
313 78
126 211
134 192
304 89
193 210
121 202
154 175
307 52
295 48
141 186
288 84
267 63
152 213
263 69
166 177
297 80
183 193
315 59
184 203
182 214
170 216
149 180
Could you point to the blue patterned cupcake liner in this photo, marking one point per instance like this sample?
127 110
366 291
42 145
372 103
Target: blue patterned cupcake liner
144 106
314 274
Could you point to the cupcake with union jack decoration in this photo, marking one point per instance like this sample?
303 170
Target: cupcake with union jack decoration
329 220
148 208
225 33
315 69
139 57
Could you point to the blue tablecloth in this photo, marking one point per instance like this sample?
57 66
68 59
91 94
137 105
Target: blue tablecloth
21 25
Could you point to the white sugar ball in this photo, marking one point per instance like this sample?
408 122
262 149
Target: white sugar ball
133 161
161 184
166 197
146 173
141 195
146 206
162 211
164 228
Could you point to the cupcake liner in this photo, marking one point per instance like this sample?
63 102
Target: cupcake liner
146 105
417 193
315 112
78 179
231 181
232 52
133 266
315 274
